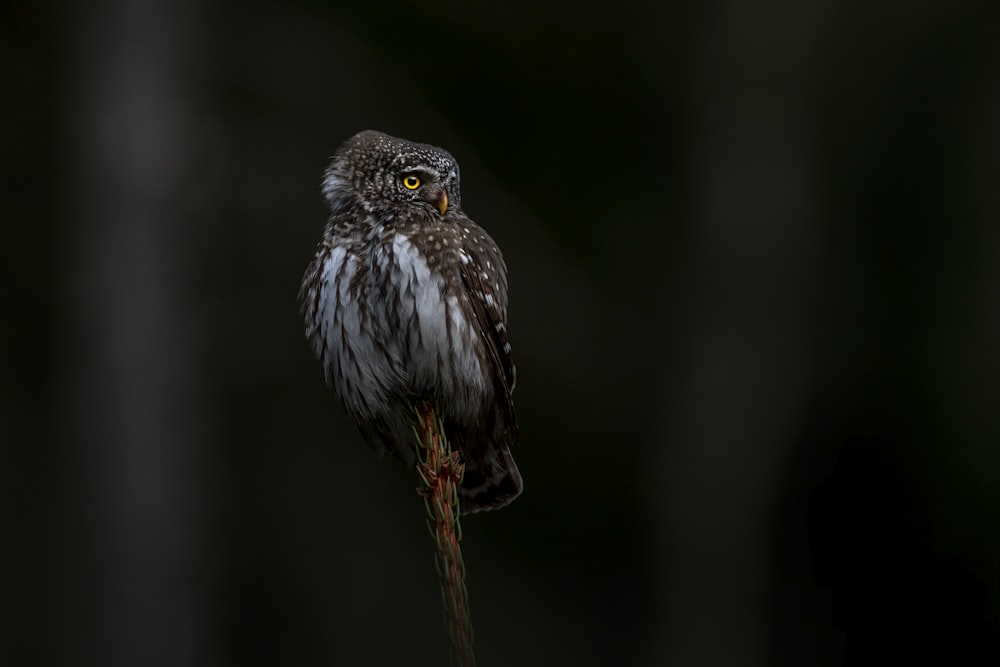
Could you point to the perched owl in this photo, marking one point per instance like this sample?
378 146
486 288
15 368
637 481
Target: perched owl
406 300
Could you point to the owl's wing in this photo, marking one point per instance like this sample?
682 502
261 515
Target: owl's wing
491 479
485 279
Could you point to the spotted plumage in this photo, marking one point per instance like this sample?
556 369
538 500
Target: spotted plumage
406 300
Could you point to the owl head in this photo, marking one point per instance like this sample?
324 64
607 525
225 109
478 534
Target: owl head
378 171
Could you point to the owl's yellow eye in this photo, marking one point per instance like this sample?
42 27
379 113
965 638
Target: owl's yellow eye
411 182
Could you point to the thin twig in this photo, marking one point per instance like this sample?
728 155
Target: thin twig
441 474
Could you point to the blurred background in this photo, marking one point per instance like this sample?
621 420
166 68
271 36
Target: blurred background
754 256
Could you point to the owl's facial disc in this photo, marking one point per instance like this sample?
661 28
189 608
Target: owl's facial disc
436 194
424 184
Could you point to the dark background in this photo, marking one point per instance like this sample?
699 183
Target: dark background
754 254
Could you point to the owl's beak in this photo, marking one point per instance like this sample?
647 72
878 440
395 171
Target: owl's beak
443 202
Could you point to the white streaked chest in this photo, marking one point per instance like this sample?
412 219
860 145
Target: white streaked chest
437 341
387 326
363 371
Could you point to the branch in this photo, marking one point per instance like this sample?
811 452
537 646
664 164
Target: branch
441 472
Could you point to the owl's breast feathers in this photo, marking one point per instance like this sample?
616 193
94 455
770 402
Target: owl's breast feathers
425 306
413 312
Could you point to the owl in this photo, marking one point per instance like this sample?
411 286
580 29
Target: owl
406 300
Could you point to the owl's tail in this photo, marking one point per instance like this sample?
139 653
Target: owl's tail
491 480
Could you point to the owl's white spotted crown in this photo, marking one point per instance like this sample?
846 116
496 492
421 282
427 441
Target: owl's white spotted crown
368 164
